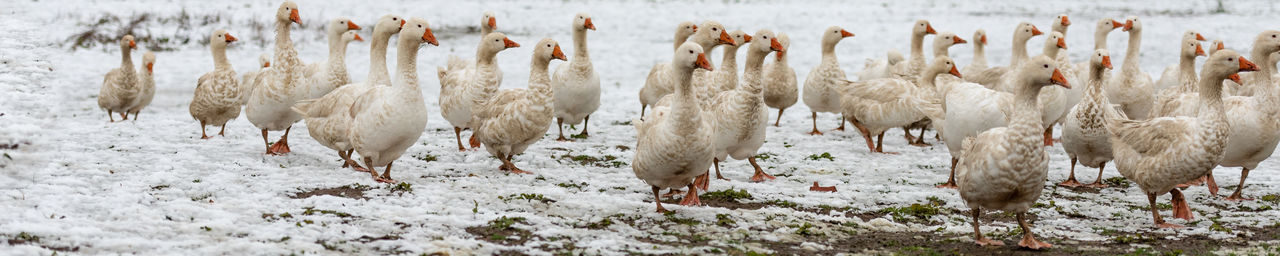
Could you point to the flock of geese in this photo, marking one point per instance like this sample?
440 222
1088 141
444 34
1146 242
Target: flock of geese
995 120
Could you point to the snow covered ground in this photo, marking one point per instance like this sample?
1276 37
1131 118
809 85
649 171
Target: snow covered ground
72 182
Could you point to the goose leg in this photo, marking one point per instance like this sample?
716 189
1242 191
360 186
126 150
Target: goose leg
642 107
135 116
1071 178
1155 214
1048 136
702 181
906 134
716 162
841 128
560 128
1180 208
672 193
202 134
951 179
386 174
457 134
691 199
1213 185
585 120
920 139
264 139
348 162
475 142
124 116
657 199
1028 240
866 134
760 175
221 131
977 231
281 146
506 161
1237 196
815 124
112 116
779 120
368 161
1098 183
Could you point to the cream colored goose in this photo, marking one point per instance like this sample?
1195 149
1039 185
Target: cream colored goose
659 82
703 80
780 90
874 106
215 100
740 115
388 119
1021 34
1179 99
1101 30
329 117
942 43
462 84
1159 153
724 78
146 85
575 84
1005 168
1132 88
516 118
1255 131
908 70
324 76
1229 87
820 92
1054 100
248 79
979 62
1084 136
279 87
1072 96
674 144
120 85
966 110
488 24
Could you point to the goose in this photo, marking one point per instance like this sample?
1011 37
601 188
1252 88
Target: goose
724 78
780 90
324 76
1100 32
387 119
820 85
328 117
216 98
874 106
659 83
979 62
1229 87
513 119
146 85
488 24
1179 99
1021 34
1254 129
279 87
1132 88
942 42
248 79
1054 100
120 85
1005 168
704 80
674 144
739 116
576 86
1069 97
1083 135
1159 153
462 84
881 68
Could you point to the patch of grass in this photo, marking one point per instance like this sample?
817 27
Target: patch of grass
604 222
628 122
805 230
206 228
527 198
314 211
1119 182
504 223
824 155
671 216
1272 198
578 136
402 187
571 185
201 197
1132 238
723 220
727 195
919 211
765 156
28 238
160 187
606 161
426 157
783 203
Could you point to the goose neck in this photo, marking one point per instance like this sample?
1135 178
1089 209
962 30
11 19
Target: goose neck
917 46
730 60
220 61
378 72
754 70
1131 53
1019 51
1100 39
580 54
126 58
407 63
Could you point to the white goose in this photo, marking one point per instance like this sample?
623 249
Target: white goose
328 118
279 87
146 85
979 62
1053 100
942 43
820 86
881 68
1005 168
724 78
780 90
488 24
992 76
710 36
659 82
876 105
1101 30
513 119
217 93
1255 131
1084 136
248 79
1180 97
740 115
576 85
1159 153
388 119
1132 88
324 76
703 80
674 144
120 85
463 84
1073 96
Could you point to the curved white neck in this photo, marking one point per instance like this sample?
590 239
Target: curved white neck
917 46
979 53
126 58
407 63
378 73
754 70
1019 52
1100 38
730 60
829 52
942 50
285 55
1131 54
580 54
220 61
539 79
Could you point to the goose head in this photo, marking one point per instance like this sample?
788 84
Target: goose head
127 42
765 42
712 31
1108 24
786 45
349 36
740 38
288 12
1043 71
264 60
1192 35
582 21
1191 47
689 57
833 34
547 50
1132 24
1101 58
1268 42
388 25
220 39
1217 45
921 28
148 61
980 36
496 42
417 31
1226 64
944 65
686 29
1055 43
945 40
489 21
1061 23
1025 31
340 25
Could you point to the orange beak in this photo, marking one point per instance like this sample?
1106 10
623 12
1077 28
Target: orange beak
1059 79
775 45
133 45
955 72
1106 61
231 38
559 55
959 40
401 23
149 66
1200 51
351 25
1065 21
589 25
1199 37
1128 25
358 38
430 38
266 64
780 54
1246 65
746 38
1221 46
695 28
1116 24
702 62
725 39
508 43
845 33
1235 78
1062 43
1035 31
293 16
984 39
928 29
493 23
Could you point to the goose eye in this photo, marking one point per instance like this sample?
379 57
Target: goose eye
690 51
713 29
394 18
1231 59
1046 65
419 25
548 45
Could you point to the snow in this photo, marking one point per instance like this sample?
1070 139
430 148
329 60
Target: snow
152 186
